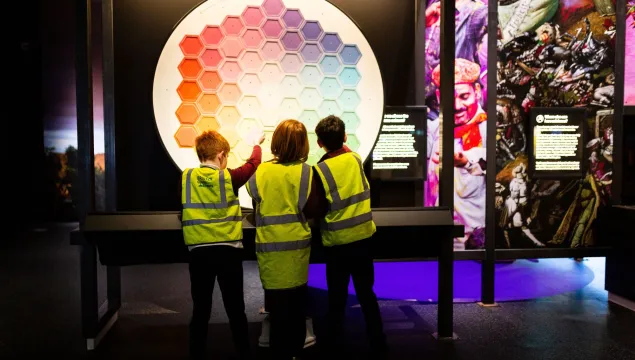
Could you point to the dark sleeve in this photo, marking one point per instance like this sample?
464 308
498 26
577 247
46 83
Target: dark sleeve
317 204
241 175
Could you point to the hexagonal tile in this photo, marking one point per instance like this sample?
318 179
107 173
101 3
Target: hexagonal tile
293 18
269 119
251 60
248 126
230 71
243 150
310 119
230 133
185 136
351 121
311 53
249 106
271 73
350 54
232 161
253 16
270 97
232 47
191 45
291 63
250 84
330 65
290 109
190 68
292 41
331 42
210 81
229 93
329 107
187 113
211 58
229 116
312 31
350 77
349 100
272 51
233 25
252 38
330 88
290 86
352 142
207 123
311 75
208 103
272 29
310 98
212 35
273 7
188 90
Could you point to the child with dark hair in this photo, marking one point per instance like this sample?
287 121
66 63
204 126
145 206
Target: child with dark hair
346 229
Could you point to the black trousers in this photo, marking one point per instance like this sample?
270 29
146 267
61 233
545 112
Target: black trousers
287 321
225 264
343 262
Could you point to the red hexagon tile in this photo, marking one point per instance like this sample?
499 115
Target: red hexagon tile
211 58
212 35
191 45
190 68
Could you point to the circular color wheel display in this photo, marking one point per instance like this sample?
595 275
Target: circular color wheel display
239 66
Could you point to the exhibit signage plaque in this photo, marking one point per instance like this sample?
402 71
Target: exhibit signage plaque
399 152
557 146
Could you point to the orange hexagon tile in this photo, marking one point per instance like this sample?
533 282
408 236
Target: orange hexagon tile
210 81
190 68
185 136
187 113
209 103
188 90
191 45
207 123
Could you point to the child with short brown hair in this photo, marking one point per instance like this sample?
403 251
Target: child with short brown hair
212 230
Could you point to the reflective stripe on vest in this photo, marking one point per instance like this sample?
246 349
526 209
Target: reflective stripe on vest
349 216
211 210
283 239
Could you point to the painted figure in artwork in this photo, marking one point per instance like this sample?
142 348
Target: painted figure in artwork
470 139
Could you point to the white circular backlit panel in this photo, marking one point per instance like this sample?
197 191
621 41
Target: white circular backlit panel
237 66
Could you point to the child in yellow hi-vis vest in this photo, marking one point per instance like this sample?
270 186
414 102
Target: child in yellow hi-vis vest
212 230
346 227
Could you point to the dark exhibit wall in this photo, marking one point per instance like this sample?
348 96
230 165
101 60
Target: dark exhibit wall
147 178
553 54
629 71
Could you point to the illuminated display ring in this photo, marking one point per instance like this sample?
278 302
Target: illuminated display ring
239 65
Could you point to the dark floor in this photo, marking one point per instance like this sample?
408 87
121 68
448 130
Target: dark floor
40 312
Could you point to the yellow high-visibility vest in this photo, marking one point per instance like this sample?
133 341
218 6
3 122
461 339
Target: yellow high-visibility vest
349 216
211 211
283 236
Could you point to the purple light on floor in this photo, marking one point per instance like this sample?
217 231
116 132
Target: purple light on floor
521 280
